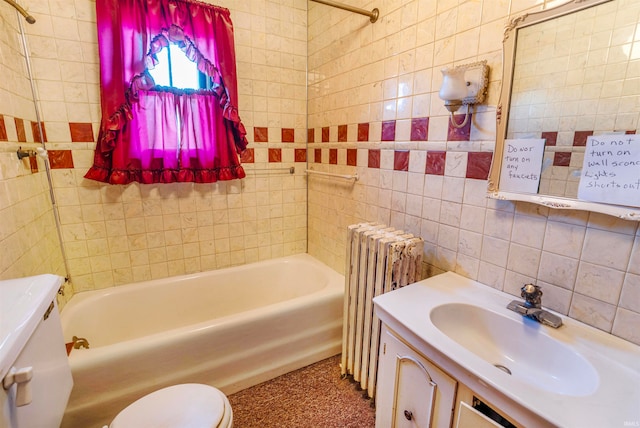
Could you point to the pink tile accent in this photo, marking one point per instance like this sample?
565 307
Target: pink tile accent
363 132
325 134
22 134
311 135
551 137
300 155
288 135
460 134
436 161
374 158
247 156
35 130
561 158
275 155
59 159
333 156
401 160
352 157
317 155
342 133
260 135
3 130
419 129
478 165
580 138
81 132
388 130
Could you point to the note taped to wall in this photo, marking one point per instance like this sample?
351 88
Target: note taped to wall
611 170
521 165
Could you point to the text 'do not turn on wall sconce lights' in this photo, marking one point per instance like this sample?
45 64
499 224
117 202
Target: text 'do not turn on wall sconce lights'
464 85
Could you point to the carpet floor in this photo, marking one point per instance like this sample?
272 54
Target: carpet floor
311 397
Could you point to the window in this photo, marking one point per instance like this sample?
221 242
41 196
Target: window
176 125
175 70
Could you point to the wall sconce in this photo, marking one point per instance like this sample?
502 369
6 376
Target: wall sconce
464 85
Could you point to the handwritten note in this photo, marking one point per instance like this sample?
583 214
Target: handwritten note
611 170
521 165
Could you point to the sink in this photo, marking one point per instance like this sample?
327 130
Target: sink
572 376
519 347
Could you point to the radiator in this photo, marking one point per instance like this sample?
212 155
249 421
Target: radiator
378 259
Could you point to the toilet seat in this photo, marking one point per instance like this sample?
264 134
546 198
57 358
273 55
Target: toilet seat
189 405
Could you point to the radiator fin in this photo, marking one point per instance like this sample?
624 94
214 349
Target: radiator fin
378 259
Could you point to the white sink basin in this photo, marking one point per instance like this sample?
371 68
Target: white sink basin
519 347
572 376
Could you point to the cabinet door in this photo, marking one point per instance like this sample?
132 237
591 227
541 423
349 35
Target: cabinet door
411 391
470 418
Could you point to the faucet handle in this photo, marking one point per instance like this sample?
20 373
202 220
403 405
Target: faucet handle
532 294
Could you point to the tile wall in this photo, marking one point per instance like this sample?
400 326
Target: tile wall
27 230
119 234
374 111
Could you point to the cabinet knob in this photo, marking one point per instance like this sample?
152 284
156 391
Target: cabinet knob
408 415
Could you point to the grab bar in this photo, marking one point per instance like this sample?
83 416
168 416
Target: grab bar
331 174
290 170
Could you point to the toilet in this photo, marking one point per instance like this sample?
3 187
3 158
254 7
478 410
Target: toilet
190 405
36 380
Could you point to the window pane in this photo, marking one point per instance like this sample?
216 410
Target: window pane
160 73
185 72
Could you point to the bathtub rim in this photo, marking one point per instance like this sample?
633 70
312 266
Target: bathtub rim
334 286
81 296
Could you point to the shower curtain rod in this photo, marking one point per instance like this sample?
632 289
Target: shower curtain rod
30 19
373 15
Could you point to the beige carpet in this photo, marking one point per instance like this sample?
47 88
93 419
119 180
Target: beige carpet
312 397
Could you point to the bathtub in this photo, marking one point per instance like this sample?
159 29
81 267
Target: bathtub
230 328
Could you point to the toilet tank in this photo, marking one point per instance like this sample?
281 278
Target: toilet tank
32 347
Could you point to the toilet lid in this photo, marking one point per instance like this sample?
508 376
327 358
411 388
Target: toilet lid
185 406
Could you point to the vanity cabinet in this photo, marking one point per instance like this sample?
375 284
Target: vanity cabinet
470 408
411 391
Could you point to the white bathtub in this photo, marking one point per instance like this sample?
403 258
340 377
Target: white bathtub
230 328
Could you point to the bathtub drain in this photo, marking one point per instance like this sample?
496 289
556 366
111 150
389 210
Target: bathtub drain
503 368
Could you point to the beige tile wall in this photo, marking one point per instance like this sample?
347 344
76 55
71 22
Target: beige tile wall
587 264
28 236
118 234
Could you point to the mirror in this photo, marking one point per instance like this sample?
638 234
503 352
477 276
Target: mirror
571 75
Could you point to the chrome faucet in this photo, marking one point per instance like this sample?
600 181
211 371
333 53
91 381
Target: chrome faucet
532 306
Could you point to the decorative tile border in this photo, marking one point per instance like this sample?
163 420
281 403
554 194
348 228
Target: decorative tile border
436 161
20 131
3 130
60 159
81 132
478 163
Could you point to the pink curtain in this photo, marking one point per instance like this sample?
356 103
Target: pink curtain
162 135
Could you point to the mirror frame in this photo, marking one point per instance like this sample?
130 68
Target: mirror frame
502 116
